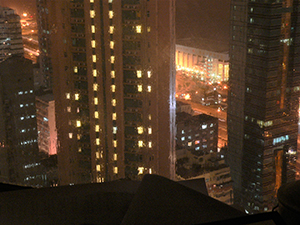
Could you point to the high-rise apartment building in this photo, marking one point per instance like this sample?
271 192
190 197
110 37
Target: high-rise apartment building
18 127
263 99
44 29
114 88
10 34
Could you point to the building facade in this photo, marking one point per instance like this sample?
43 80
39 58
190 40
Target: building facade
46 124
44 21
10 34
18 123
114 89
218 182
198 134
263 99
207 65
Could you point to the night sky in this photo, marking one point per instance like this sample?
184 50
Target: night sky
204 20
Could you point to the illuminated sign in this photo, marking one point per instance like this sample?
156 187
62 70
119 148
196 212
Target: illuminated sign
280 139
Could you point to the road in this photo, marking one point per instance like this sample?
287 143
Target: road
31 47
222 132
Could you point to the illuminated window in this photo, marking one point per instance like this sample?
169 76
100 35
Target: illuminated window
92 13
139 73
141 170
138 29
148 29
111 29
110 1
140 88
115 143
78 136
75 69
76 96
112 59
68 109
113 88
68 96
97 128
149 117
115 156
204 126
97 141
79 149
97 155
98 167
268 123
94 58
95 87
220 69
115 130
112 44
140 130
150 171
70 135
149 88
149 130
149 74
140 143
114 116
112 74
96 101
150 144
114 102
110 14
93 29
93 43
182 138
91 1
95 73
197 142
189 143
115 170
78 123
96 114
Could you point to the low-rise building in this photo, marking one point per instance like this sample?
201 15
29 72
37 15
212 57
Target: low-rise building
198 134
206 65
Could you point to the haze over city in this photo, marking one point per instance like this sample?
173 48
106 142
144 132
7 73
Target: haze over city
169 104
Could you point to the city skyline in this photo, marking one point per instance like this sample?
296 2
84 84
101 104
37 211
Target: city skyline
111 67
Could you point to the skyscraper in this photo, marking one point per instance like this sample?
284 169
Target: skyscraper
10 34
263 99
44 29
114 88
18 128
